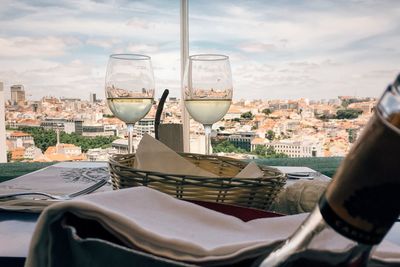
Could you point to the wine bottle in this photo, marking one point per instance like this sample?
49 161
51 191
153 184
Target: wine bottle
361 202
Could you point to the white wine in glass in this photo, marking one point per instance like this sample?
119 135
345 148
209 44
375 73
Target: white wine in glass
129 88
208 90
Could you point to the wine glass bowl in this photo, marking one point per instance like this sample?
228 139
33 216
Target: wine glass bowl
129 87
208 89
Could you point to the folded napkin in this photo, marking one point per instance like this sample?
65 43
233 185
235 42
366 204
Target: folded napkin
299 197
58 179
153 155
144 218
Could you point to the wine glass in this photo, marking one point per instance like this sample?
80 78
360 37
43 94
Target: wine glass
129 88
207 90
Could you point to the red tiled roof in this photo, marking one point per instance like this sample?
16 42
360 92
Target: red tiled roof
19 134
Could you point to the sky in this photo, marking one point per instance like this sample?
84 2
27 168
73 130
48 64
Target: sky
284 49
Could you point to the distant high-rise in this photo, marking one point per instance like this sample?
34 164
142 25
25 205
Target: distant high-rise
93 98
17 94
3 151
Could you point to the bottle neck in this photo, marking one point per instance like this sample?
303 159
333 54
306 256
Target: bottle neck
310 228
297 250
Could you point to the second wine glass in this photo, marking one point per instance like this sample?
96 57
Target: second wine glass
129 89
208 90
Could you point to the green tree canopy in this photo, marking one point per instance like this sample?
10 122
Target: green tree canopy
227 147
348 113
266 111
45 138
271 153
270 135
260 150
352 135
247 115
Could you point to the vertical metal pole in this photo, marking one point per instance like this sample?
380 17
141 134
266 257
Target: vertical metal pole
3 150
184 58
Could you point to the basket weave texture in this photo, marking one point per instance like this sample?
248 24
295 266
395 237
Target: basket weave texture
246 192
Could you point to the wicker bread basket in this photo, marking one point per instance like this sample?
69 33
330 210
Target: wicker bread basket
247 192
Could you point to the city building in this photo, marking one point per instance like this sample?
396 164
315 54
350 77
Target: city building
68 126
297 149
100 154
35 106
32 153
17 94
242 140
144 126
233 113
18 153
3 150
92 98
97 130
69 149
258 141
64 152
197 144
21 139
121 145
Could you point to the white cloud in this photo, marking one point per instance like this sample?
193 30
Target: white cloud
35 47
256 47
140 24
312 49
71 79
103 42
142 48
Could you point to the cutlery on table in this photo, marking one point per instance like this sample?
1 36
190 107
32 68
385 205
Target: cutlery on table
85 191
301 175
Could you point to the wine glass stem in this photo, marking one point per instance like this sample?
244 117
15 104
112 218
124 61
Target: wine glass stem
130 137
207 132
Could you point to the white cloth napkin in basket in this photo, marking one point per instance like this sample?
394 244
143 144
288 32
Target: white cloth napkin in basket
153 155
165 226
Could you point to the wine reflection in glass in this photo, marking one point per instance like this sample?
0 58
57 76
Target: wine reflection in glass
129 89
208 90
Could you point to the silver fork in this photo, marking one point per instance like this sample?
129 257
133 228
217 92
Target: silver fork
85 191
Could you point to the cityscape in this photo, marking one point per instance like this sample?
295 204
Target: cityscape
75 129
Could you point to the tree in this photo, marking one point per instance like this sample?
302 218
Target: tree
108 116
227 147
352 135
325 117
9 156
346 103
260 150
266 111
348 114
270 150
270 135
247 115
271 153
45 138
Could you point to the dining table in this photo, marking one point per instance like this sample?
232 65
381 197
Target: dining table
16 228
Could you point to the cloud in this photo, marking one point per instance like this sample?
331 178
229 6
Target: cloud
103 42
142 48
35 46
71 79
289 49
256 47
140 24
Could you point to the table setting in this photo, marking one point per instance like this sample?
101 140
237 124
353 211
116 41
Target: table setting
161 227
157 207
